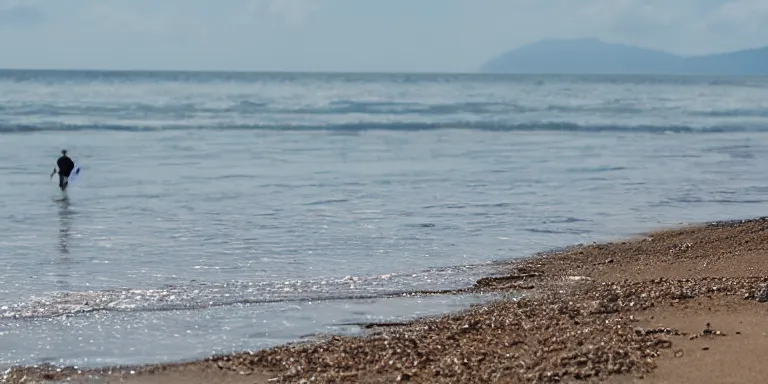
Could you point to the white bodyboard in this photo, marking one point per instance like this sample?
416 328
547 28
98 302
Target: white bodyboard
75 174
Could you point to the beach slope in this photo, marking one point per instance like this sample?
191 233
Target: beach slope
687 305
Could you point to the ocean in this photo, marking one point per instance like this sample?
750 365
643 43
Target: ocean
221 212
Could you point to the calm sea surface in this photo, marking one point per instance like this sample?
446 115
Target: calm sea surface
220 211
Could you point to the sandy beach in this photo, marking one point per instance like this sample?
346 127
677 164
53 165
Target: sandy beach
686 305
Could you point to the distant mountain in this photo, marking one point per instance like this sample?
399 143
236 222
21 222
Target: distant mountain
593 56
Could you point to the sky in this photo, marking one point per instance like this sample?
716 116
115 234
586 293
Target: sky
352 35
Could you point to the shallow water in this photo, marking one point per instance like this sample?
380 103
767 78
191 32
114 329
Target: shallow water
221 212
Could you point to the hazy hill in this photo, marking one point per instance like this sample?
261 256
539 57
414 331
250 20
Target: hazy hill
592 56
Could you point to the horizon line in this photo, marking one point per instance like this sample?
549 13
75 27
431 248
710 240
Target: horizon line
340 72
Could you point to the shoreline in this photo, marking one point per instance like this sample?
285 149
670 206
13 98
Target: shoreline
685 304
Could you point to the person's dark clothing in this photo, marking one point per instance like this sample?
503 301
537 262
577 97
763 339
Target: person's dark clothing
63 182
66 165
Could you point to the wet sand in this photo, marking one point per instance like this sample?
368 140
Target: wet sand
688 305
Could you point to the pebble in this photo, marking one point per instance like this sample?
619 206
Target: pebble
574 327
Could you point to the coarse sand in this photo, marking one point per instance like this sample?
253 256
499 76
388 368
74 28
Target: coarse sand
688 305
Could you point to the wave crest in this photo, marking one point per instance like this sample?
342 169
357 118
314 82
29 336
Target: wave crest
395 126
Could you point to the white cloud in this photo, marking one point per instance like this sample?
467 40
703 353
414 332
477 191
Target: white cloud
293 12
20 16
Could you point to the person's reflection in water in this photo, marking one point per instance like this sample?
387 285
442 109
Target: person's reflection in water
65 227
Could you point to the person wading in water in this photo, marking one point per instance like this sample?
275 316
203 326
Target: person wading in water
66 166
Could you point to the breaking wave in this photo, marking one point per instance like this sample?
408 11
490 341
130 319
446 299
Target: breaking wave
395 126
210 295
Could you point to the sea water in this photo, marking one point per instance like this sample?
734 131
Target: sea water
218 212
